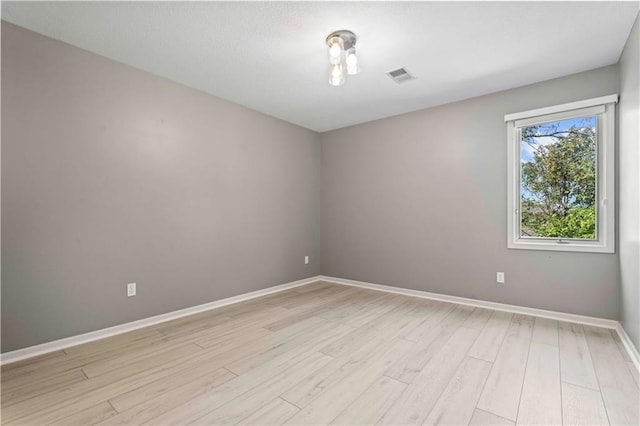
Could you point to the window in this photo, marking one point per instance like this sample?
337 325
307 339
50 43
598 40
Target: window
561 177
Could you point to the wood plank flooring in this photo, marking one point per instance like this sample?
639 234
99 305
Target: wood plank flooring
331 354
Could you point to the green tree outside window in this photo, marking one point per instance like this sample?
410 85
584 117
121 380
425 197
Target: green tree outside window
558 179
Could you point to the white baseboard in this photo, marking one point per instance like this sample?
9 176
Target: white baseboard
56 345
581 319
560 316
628 345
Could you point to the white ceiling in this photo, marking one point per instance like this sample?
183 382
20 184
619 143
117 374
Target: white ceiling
271 56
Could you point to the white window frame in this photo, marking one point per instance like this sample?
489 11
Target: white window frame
604 109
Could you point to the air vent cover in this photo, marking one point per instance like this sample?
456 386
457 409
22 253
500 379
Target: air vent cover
400 75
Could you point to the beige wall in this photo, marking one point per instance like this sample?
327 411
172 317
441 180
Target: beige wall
419 201
111 175
629 137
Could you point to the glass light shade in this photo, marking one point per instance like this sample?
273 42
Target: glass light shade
336 50
337 75
352 62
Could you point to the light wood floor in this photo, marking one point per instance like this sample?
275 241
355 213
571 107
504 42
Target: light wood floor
330 354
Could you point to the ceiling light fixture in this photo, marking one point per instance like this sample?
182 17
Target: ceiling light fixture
342 56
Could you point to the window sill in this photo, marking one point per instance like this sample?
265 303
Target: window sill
595 247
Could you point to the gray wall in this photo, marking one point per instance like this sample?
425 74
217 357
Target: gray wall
111 175
419 201
629 137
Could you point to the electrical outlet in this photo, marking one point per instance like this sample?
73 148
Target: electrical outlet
131 289
306 260
500 277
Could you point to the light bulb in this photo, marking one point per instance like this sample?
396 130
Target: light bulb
352 59
336 81
352 62
336 48
334 51
337 76
336 71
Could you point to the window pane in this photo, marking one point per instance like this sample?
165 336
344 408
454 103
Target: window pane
558 179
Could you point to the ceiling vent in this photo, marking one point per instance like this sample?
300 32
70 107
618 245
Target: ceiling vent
400 75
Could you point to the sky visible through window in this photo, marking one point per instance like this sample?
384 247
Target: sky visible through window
527 150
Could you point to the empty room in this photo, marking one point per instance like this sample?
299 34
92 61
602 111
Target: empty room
314 213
